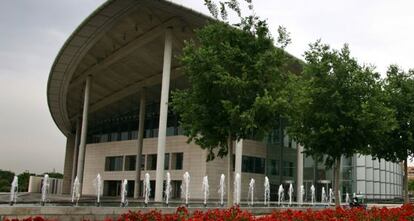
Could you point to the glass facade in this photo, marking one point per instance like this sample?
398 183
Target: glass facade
124 126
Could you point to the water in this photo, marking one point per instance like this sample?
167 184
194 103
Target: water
266 192
280 194
302 193
185 187
330 196
237 189
45 189
147 188
290 194
75 191
347 198
222 188
323 197
250 194
313 194
205 189
14 190
168 188
97 183
124 193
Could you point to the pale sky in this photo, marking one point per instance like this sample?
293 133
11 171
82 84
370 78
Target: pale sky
379 32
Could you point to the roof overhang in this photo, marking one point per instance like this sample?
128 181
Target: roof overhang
120 45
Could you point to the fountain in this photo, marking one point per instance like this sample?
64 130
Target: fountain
147 188
45 188
168 188
237 189
13 191
302 193
205 189
330 196
280 194
124 193
75 191
347 198
98 189
185 187
221 189
323 197
266 192
290 194
250 194
312 194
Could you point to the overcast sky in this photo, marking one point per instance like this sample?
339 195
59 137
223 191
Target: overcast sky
379 32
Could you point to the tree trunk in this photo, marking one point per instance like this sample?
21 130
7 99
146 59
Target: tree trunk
337 171
230 172
405 183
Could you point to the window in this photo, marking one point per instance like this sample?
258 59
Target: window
288 168
167 161
253 164
130 162
152 162
177 161
113 163
274 167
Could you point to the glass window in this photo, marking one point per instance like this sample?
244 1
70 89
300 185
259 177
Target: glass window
114 163
167 161
253 164
124 135
130 162
177 161
152 162
274 167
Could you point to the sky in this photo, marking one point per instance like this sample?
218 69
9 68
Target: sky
379 32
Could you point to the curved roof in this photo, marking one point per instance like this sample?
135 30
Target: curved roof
121 45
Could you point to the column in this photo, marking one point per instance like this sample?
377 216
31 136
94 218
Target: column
67 168
75 151
162 128
299 171
84 132
140 143
238 157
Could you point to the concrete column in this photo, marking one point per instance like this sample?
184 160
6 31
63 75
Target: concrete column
84 132
67 168
238 157
75 152
140 143
299 171
162 128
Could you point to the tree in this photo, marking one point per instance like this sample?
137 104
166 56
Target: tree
24 180
338 109
237 79
6 177
398 144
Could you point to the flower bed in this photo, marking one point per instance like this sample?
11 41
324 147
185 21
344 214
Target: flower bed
403 213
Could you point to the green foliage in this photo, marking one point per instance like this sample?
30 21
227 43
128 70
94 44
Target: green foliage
6 177
398 143
411 185
237 84
24 180
338 107
54 175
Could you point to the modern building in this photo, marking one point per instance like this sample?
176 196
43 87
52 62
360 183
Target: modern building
108 93
410 172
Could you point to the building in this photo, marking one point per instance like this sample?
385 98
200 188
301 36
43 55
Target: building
410 172
36 183
108 93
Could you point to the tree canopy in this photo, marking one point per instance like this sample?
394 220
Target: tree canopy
237 79
339 107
